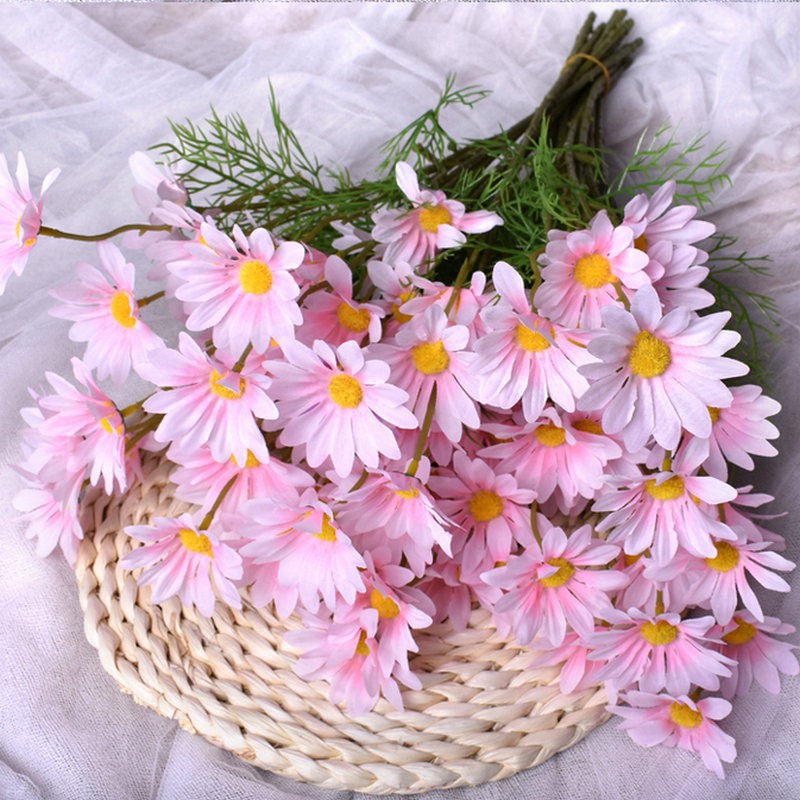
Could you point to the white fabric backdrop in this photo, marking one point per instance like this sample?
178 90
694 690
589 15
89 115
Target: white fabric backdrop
82 86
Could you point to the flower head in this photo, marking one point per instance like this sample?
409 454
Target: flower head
20 217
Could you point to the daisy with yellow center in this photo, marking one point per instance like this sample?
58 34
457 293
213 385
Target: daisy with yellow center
658 373
338 405
584 272
181 558
103 308
240 288
555 584
434 223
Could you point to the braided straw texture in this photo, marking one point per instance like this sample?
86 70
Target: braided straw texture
483 712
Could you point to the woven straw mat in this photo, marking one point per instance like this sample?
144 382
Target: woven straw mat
483 712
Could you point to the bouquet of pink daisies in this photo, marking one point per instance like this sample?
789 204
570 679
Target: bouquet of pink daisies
486 376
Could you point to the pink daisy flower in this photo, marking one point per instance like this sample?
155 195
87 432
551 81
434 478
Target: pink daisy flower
315 558
680 277
558 455
756 654
106 316
658 374
338 404
718 582
200 479
434 223
583 270
20 217
552 585
524 356
241 289
92 422
492 511
660 652
336 317
660 511
675 720
182 559
206 403
428 353
737 433
397 511
397 285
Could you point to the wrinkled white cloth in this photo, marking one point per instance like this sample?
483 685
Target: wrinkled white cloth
83 86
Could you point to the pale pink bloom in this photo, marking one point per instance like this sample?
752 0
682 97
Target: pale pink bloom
51 512
397 284
756 654
680 277
556 456
524 356
349 235
641 590
659 373
241 288
397 511
336 316
106 316
344 654
491 510
435 223
659 651
312 270
660 511
555 584
576 673
200 479
20 217
161 196
582 272
338 404
428 353
656 223
315 558
737 432
207 403
94 422
182 559
675 720
718 582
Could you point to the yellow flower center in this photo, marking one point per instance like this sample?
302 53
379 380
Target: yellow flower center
431 217
328 532
594 271
105 424
660 632
684 715
588 426
396 312
345 391
550 435
485 505
631 559
430 358
252 461
223 391
726 559
640 243
355 320
649 356
742 634
407 494
385 606
532 341
196 542
565 572
28 242
713 412
671 489
255 277
122 309
362 648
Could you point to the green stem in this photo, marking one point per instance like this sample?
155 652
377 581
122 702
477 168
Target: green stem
423 434
99 237
209 518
